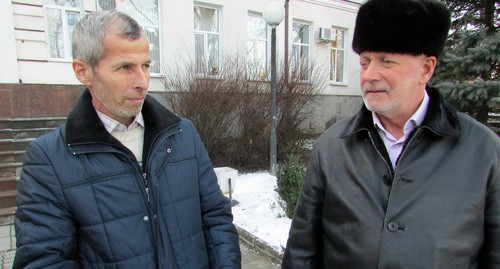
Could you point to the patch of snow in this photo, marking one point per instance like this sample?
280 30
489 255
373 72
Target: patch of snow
258 211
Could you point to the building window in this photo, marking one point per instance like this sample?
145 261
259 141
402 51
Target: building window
145 12
337 56
300 51
61 17
207 40
257 47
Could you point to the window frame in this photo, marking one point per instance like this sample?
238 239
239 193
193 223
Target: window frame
301 45
210 72
258 75
67 50
333 71
145 26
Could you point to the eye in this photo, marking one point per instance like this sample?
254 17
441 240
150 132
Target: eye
146 66
364 64
124 67
388 63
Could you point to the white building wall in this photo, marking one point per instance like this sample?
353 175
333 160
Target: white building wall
324 13
178 41
27 56
8 68
33 64
25 53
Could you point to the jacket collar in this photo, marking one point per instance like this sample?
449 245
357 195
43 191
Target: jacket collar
441 118
83 124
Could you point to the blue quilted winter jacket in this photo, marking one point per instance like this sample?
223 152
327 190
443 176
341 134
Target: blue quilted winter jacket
84 202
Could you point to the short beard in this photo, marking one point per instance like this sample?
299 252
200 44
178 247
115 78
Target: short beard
371 88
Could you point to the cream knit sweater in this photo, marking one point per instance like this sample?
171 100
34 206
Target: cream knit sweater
133 140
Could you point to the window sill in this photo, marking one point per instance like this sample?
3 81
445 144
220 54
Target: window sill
58 60
343 84
157 75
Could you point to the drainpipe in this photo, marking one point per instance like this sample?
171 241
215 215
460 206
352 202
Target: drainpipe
286 68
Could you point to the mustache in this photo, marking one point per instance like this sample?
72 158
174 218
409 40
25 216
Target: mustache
374 88
137 95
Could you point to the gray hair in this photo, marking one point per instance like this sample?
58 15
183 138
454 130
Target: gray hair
88 35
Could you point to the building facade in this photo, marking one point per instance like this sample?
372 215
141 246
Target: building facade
36 49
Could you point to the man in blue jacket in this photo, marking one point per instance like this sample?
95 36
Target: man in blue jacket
124 183
407 182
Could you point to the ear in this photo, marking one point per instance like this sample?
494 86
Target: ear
428 66
83 72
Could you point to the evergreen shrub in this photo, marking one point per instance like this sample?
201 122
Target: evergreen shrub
289 182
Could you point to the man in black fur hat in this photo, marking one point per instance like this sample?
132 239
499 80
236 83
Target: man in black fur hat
407 182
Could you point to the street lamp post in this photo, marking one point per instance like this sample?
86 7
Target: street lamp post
273 15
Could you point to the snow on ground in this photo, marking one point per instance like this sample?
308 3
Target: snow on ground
258 211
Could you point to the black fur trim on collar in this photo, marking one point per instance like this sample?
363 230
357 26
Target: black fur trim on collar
83 124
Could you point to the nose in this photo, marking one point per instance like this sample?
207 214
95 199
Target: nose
370 72
141 80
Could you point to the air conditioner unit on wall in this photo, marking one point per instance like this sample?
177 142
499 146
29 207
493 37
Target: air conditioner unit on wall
324 34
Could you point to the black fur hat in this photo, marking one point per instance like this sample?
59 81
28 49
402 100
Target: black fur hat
402 26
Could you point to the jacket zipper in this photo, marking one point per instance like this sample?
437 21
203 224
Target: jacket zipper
147 165
145 179
146 189
152 206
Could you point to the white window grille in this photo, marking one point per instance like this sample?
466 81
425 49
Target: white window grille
257 47
207 40
301 51
61 17
337 56
146 13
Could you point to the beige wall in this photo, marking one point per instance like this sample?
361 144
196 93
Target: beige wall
8 68
24 46
179 40
25 49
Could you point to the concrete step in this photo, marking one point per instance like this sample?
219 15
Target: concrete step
6 156
8 183
29 123
8 165
12 156
23 133
10 169
8 198
14 144
7 212
15 135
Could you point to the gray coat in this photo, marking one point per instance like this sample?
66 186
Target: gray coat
439 208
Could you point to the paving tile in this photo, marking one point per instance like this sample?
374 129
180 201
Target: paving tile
7 259
252 259
5 243
5 230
